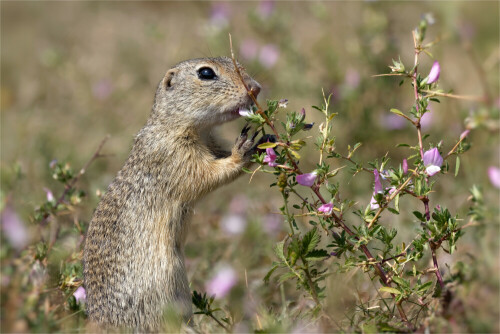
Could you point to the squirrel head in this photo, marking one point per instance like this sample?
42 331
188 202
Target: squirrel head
204 92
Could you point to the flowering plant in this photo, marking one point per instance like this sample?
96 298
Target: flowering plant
404 279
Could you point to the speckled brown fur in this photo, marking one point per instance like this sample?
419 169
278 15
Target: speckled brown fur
134 249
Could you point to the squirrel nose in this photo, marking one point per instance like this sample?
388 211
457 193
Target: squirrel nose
254 87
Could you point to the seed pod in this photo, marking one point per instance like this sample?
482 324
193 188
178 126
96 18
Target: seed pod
282 181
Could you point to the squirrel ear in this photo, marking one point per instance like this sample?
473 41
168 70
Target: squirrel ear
167 81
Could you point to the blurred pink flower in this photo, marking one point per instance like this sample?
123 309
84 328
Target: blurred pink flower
50 196
102 89
432 161
306 180
265 8
14 228
464 134
352 78
238 204
248 49
219 16
392 121
270 157
272 223
434 73
405 166
224 280
426 119
326 208
494 175
80 295
234 224
269 55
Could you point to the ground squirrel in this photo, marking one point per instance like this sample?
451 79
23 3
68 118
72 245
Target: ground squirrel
134 248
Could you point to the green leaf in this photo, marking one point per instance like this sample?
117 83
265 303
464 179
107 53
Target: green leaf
285 277
425 286
396 203
279 250
401 282
397 112
263 146
269 273
316 254
396 212
310 240
390 290
457 166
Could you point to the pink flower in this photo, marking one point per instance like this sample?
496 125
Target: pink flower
272 223
248 49
223 281
102 89
282 103
426 119
392 121
234 224
266 8
269 55
50 196
80 295
378 185
494 175
432 161
220 14
377 188
434 73
270 157
464 134
14 228
405 166
245 112
352 78
326 208
306 180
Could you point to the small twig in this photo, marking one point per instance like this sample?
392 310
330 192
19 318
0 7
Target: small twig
393 195
454 147
69 186
454 96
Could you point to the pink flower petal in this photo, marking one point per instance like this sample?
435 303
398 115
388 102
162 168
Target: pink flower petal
432 170
222 283
269 55
80 294
306 180
494 175
432 158
434 73
464 134
378 185
14 228
326 208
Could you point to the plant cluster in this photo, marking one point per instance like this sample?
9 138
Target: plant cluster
409 289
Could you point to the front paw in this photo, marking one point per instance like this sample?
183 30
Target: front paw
243 147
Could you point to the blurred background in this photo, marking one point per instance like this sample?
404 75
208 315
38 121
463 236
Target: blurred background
73 72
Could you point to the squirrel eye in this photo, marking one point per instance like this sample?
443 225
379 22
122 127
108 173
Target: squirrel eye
206 73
